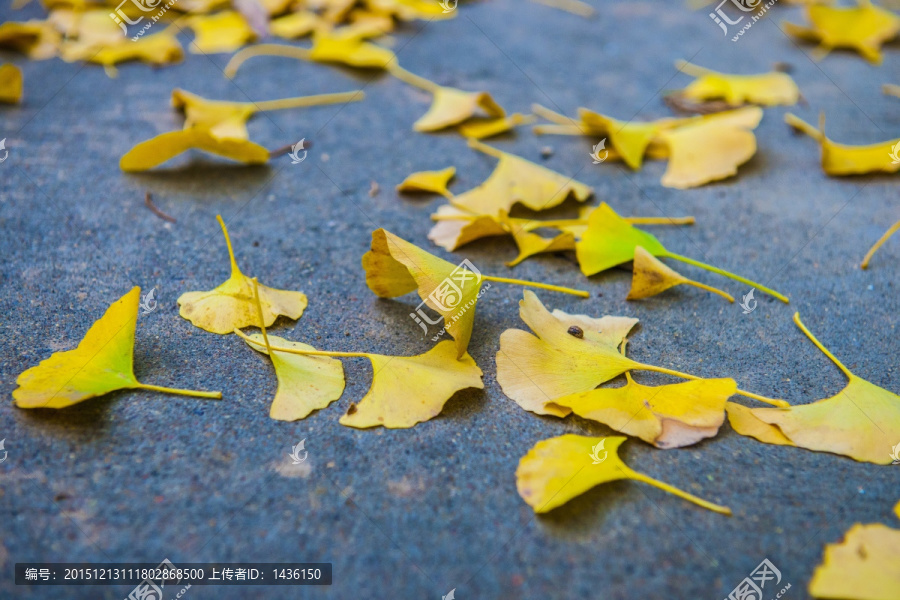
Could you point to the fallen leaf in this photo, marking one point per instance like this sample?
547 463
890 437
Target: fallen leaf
841 159
349 49
651 277
863 28
561 468
434 182
305 383
531 244
230 306
861 421
38 40
887 234
667 416
295 25
409 10
10 83
155 151
456 227
611 240
102 363
395 267
865 565
225 31
891 90
480 129
767 89
516 180
745 423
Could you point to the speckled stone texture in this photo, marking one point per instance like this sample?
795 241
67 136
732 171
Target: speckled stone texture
414 513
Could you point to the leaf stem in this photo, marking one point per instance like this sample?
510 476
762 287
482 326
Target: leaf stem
264 50
772 401
482 147
887 234
801 125
725 273
692 69
411 78
724 510
819 345
246 337
710 288
552 116
303 101
179 391
558 129
534 284
259 314
235 270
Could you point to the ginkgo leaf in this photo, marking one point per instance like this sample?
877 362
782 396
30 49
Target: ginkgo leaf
225 31
160 48
861 421
157 150
225 119
561 468
865 565
10 84
480 129
516 180
349 48
630 140
102 363
767 89
667 416
449 106
863 28
531 244
395 267
295 25
456 227
571 354
887 234
230 306
409 10
710 149
745 423
38 40
611 240
434 182
305 383
651 277
842 159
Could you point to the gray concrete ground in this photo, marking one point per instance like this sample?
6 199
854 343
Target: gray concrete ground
414 513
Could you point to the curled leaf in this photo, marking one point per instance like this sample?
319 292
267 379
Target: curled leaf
767 89
480 129
456 227
561 468
230 306
863 28
10 83
103 362
652 276
842 159
434 182
155 151
861 421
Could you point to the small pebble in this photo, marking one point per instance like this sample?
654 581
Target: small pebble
546 152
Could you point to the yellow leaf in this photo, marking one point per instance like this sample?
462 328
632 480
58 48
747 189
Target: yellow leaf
862 421
452 106
767 89
561 468
225 31
409 390
157 150
516 180
10 84
530 244
456 227
395 267
630 140
102 363
891 90
230 306
409 10
865 565
38 40
667 416
295 25
745 423
841 159
485 128
863 28
349 48
651 277
711 149
534 370
158 49
434 182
